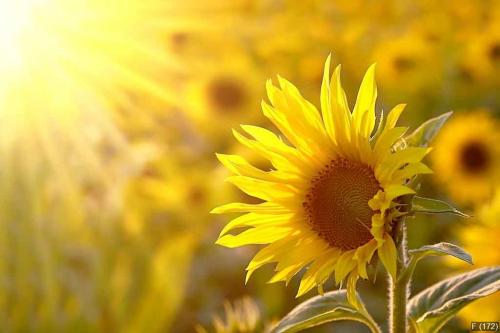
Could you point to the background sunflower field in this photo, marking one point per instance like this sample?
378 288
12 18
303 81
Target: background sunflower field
110 116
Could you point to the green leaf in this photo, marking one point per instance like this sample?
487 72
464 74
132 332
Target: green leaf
331 306
433 206
427 131
441 249
432 308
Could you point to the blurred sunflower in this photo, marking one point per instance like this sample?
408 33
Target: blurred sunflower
310 69
331 199
193 189
170 193
145 203
481 57
242 316
489 212
467 156
477 237
408 62
223 93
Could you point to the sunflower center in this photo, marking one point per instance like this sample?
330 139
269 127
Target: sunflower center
226 94
403 63
196 195
337 203
474 157
178 40
495 52
465 74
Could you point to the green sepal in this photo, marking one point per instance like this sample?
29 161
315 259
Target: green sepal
426 132
434 206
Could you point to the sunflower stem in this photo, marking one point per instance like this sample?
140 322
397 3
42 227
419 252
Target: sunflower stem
398 290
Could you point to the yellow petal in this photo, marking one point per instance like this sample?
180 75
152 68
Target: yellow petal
262 189
394 161
238 165
269 254
259 235
411 170
363 255
264 256
253 220
362 270
340 109
378 227
296 118
300 110
365 104
287 273
321 290
351 290
279 160
383 200
388 255
326 106
326 270
238 207
307 248
275 145
344 265
393 116
394 191
379 126
280 121
296 137
386 140
312 276
270 88
268 138
304 251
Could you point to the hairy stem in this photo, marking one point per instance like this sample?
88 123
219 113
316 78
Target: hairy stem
398 290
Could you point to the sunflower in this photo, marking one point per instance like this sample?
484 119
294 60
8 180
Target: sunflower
166 190
489 212
481 235
402 60
226 92
241 316
481 57
467 157
330 201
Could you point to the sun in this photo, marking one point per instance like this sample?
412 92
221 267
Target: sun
61 57
74 75
14 17
72 70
